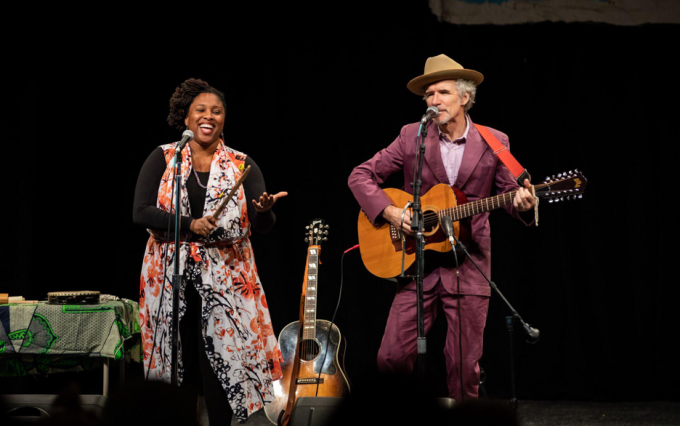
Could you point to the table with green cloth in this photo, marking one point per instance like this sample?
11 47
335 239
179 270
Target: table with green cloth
46 338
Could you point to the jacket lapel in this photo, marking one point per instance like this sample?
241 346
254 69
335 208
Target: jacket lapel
433 154
474 148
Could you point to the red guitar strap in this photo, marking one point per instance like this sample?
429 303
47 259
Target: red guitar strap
504 155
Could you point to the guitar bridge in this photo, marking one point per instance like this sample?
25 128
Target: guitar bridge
396 238
309 381
394 233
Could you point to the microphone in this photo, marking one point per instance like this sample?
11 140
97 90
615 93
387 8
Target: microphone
533 335
186 137
431 113
447 224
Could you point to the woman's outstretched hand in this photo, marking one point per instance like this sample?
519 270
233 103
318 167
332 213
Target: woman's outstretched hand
266 201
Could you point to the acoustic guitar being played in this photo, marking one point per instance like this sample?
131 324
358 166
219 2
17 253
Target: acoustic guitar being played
383 247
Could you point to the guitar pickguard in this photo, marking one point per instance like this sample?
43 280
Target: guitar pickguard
328 346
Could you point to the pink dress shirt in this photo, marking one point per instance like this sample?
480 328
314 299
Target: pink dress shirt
452 152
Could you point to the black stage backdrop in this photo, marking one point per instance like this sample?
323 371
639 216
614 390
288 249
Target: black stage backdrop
308 100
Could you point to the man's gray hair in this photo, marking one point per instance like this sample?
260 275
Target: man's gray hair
466 86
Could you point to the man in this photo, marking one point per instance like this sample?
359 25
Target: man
456 154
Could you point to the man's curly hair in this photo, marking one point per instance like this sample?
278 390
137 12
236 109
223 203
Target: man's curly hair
183 97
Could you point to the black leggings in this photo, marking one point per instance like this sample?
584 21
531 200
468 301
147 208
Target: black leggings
199 377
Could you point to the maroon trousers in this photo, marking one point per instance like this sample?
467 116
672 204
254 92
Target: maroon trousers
398 351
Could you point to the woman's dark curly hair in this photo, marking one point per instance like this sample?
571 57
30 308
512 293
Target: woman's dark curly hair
183 97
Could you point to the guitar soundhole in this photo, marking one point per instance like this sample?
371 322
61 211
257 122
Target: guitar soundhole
309 349
431 220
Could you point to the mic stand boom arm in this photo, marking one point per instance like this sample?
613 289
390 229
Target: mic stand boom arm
533 335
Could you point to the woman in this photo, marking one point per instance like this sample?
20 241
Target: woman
221 298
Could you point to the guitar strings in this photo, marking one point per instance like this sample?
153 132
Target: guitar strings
463 211
308 344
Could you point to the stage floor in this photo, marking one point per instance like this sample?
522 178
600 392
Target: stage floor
571 413
568 413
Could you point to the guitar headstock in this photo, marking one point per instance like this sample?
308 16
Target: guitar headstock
565 186
316 231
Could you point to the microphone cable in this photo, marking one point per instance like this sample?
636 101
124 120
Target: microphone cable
460 323
330 329
448 228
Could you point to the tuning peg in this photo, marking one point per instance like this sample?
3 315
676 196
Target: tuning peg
575 170
324 239
325 232
307 227
328 226
306 239
580 196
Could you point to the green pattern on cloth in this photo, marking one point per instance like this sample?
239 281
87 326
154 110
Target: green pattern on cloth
47 338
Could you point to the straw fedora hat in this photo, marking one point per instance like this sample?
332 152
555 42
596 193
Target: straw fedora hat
441 67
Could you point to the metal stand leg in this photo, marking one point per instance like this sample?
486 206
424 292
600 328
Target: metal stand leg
105 391
509 321
121 372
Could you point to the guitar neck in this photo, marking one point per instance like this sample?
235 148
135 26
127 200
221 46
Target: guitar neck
311 281
484 205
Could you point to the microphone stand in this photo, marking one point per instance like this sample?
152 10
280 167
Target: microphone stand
417 225
176 277
533 334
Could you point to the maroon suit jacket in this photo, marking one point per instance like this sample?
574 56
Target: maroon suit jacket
479 171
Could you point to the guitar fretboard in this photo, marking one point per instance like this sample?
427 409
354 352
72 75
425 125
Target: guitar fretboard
309 323
481 206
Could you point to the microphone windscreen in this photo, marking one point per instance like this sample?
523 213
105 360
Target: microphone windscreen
187 135
533 335
447 223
